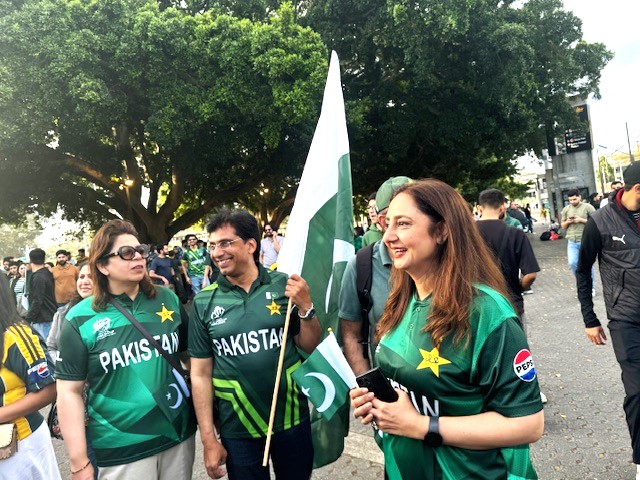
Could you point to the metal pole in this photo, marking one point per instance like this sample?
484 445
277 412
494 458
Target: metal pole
629 143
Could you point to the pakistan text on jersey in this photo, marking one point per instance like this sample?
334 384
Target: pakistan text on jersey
137 352
249 342
425 408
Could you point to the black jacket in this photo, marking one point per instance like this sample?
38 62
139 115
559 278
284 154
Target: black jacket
42 297
613 236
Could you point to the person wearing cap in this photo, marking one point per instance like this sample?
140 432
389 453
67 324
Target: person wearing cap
350 313
65 276
612 234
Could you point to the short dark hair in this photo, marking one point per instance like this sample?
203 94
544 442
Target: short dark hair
7 259
245 225
574 192
190 235
492 198
36 256
61 252
160 247
81 250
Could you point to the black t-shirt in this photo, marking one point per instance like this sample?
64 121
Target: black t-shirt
516 257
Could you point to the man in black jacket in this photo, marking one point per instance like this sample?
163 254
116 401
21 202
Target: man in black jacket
42 294
613 235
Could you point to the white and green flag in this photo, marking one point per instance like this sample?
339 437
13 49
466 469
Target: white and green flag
320 238
326 377
320 230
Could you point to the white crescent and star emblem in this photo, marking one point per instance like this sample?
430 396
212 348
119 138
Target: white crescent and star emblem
329 390
178 400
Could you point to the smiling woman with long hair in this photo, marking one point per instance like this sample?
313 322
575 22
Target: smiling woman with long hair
451 343
141 421
26 386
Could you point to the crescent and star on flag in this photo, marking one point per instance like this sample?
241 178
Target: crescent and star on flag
329 390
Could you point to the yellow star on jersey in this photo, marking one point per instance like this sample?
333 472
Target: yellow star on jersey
432 360
165 314
274 308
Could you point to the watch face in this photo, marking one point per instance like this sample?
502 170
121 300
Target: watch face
433 439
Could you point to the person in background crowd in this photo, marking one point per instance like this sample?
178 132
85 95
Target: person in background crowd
615 186
358 232
193 261
160 270
81 258
6 261
450 340
527 213
594 200
270 246
574 217
41 294
18 281
26 386
65 276
612 235
374 232
141 422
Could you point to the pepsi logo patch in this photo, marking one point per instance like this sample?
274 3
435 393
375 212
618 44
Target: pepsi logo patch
43 370
523 365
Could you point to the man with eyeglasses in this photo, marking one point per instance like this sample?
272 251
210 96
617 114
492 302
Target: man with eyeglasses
235 337
270 246
359 345
194 263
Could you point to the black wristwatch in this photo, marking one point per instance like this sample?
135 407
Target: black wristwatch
433 438
308 315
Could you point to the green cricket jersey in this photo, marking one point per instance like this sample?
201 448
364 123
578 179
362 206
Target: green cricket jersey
495 372
242 332
135 404
196 261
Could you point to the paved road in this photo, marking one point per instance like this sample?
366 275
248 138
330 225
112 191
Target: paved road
585 432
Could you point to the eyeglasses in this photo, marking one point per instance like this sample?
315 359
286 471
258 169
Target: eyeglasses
127 252
222 244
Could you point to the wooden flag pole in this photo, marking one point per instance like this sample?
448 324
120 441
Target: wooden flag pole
274 400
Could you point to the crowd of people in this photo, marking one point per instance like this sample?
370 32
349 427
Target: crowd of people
108 339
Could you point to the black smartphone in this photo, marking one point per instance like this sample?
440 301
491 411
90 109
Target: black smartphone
375 381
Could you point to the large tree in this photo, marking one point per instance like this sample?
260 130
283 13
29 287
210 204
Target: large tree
454 89
137 109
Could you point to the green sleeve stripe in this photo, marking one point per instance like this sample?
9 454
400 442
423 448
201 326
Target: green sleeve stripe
241 416
292 403
240 400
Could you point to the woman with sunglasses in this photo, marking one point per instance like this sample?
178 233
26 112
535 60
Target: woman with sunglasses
468 399
141 421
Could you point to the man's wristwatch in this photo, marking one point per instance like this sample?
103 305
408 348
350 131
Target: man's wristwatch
308 315
433 438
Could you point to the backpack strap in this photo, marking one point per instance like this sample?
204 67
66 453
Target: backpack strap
364 275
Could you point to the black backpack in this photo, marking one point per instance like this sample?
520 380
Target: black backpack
364 275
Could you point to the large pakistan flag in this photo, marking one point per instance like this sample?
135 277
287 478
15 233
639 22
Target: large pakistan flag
319 238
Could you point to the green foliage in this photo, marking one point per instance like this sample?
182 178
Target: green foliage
454 89
191 110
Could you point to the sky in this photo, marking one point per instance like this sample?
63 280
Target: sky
614 23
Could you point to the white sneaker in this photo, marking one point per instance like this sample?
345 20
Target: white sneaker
637 472
543 398
593 294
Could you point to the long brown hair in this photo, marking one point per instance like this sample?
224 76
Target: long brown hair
462 260
100 246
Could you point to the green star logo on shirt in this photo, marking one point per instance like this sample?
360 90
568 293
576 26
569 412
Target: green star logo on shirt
274 308
165 314
432 360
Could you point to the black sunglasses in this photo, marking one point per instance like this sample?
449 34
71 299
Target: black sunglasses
127 252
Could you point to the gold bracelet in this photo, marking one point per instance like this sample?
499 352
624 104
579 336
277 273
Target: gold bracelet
79 470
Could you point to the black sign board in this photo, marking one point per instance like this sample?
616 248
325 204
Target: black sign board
579 138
